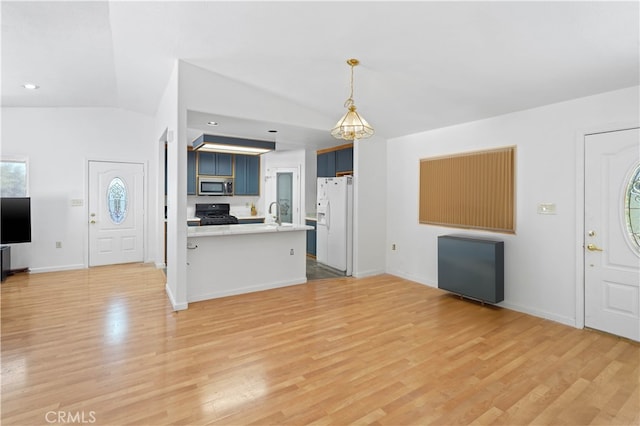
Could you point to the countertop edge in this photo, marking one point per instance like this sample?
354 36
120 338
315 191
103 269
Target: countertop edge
241 229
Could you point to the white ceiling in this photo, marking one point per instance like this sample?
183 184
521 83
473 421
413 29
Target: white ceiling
424 65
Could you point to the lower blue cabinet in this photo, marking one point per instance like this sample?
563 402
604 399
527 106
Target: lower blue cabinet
311 238
252 220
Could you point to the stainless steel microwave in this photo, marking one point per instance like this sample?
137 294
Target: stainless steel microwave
215 186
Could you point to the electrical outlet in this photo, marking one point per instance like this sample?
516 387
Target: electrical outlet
291 252
393 246
58 244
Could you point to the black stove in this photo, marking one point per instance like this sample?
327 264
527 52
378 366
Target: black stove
215 214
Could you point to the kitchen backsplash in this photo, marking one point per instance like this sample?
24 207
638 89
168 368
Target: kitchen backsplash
240 206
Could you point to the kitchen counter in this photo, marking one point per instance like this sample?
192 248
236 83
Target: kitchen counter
248 228
224 260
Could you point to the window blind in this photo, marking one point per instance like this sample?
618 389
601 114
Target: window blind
472 190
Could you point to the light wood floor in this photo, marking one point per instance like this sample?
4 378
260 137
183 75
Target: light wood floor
103 343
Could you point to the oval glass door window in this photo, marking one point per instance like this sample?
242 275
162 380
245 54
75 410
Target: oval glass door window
117 200
632 208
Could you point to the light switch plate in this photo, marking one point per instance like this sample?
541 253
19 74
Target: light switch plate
546 208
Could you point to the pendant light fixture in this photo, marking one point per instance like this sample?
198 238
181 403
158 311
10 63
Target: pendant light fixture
351 126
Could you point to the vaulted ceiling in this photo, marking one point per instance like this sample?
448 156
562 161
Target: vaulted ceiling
424 65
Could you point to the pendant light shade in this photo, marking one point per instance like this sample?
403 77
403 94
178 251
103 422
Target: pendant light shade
352 125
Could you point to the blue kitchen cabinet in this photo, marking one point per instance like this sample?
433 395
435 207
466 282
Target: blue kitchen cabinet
326 164
344 160
332 163
311 238
247 177
251 220
191 173
215 164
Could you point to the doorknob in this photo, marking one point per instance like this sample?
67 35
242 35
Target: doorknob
593 247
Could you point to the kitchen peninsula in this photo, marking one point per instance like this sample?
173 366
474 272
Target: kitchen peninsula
224 260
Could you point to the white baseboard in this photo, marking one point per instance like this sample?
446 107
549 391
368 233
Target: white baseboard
413 278
176 306
504 304
56 268
243 290
369 273
540 314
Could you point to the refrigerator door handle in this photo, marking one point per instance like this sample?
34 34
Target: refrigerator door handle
328 215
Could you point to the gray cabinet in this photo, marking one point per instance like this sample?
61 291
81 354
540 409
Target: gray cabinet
215 164
247 176
311 238
471 267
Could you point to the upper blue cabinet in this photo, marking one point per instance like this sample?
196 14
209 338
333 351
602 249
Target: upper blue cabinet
247 177
344 160
246 174
327 164
337 161
215 164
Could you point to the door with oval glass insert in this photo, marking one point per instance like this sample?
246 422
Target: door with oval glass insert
116 214
612 232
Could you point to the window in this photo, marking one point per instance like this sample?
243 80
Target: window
13 177
117 200
632 208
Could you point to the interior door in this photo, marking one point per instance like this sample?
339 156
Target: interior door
284 195
282 185
116 214
612 232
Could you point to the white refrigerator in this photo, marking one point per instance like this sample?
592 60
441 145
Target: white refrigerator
334 238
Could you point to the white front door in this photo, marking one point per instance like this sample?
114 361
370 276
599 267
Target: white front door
116 214
612 216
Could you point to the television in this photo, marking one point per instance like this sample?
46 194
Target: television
15 222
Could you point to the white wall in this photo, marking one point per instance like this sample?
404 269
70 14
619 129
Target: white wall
370 206
311 183
540 259
166 132
58 143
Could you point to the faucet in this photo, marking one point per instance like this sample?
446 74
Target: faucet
278 219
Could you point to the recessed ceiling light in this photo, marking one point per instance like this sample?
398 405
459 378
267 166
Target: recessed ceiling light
30 86
212 123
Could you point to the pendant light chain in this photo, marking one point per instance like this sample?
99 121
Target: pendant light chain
350 101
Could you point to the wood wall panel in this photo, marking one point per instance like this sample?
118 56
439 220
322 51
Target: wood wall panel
472 190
